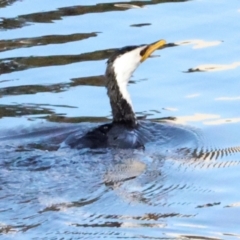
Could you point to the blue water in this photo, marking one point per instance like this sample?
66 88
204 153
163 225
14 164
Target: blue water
52 60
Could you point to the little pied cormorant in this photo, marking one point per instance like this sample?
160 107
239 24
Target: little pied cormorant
125 131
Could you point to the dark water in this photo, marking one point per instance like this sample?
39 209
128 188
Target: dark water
52 60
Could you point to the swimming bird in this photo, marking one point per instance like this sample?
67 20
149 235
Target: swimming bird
125 131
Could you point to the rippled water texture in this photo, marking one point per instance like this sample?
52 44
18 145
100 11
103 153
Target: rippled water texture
52 59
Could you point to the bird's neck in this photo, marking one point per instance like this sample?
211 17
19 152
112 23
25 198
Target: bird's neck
120 101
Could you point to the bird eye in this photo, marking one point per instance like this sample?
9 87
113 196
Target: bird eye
143 51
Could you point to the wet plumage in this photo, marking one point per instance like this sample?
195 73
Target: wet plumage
124 131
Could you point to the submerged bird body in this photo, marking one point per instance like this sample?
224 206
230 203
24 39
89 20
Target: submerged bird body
125 131
108 135
114 135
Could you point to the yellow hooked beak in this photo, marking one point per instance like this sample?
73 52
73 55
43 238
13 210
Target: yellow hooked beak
151 48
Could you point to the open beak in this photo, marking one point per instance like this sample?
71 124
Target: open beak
151 48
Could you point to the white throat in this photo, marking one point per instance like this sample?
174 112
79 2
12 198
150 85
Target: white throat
124 66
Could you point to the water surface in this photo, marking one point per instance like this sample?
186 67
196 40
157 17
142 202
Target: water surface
52 61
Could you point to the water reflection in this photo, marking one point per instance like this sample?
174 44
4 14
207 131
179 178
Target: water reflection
163 192
140 25
54 88
223 121
7 45
227 98
214 67
5 3
198 43
129 6
21 110
51 16
195 118
143 193
23 63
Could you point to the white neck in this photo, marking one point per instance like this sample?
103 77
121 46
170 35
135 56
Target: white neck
124 66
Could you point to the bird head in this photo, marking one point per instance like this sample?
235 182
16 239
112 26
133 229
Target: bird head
125 60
